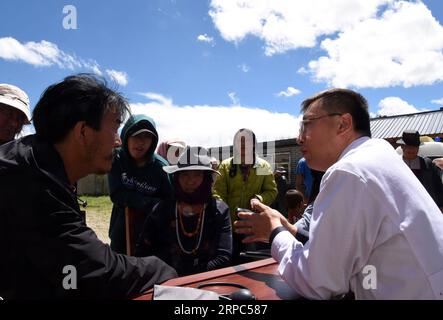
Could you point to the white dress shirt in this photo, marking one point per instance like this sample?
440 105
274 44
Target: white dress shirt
372 214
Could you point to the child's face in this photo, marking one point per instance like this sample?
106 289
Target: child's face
139 145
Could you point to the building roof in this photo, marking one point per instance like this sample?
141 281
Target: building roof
427 123
392 127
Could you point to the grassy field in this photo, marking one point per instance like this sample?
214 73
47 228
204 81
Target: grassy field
98 214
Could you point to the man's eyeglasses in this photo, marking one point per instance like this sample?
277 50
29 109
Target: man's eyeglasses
304 123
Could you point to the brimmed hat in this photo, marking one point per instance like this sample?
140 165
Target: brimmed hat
192 158
281 170
16 98
410 138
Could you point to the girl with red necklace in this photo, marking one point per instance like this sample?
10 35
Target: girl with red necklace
192 231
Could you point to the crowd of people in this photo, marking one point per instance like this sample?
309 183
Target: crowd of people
354 201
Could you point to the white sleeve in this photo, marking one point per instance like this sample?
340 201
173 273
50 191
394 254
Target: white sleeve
339 240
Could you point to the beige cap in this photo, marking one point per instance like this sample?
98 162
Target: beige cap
16 98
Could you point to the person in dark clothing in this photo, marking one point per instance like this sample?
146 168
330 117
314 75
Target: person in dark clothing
304 223
423 168
282 186
294 205
192 232
47 251
136 179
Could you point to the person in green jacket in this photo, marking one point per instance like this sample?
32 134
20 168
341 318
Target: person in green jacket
244 178
137 179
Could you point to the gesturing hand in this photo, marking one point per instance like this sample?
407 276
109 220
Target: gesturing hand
257 226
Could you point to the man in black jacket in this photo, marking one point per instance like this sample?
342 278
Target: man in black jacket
47 251
424 169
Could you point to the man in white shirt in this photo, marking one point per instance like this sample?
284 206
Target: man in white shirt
374 231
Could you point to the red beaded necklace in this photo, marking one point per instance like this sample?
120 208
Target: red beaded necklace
197 208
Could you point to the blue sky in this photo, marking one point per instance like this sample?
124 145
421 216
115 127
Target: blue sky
203 69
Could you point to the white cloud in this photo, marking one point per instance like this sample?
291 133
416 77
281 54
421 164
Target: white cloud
286 25
206 38
438 101
211 126
48 54
244 67
391 106
233 96
303 70
369 43
119 77
96 69
157 98
290 91
402 47
39 54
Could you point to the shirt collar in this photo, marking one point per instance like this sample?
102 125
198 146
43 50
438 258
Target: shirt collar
353 145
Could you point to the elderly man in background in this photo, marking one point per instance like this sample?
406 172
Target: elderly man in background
427 172
14 112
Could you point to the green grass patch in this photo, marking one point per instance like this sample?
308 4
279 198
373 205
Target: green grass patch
98 215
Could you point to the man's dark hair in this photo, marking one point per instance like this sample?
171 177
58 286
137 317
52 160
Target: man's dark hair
82 97
344 101
293 198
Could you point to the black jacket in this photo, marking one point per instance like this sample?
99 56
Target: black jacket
213 248
42 231
429 176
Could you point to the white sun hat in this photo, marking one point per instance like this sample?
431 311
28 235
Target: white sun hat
15 97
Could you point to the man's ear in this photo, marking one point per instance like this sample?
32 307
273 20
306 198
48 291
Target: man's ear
346 123
80 132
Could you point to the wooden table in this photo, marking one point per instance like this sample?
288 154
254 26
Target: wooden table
261 277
